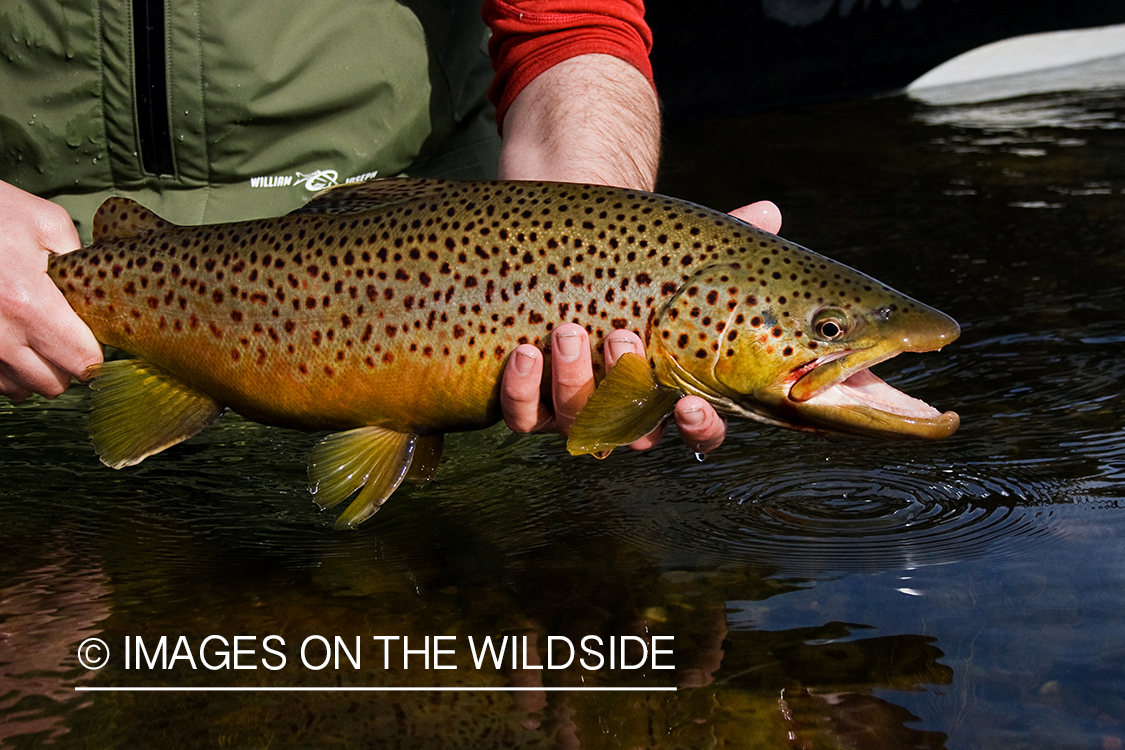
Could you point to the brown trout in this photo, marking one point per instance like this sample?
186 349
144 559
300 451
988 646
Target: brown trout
384 312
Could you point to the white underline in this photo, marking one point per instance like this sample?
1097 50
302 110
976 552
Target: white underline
413 689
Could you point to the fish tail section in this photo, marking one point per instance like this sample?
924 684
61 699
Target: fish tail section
427 456
626 406
139 410
370 460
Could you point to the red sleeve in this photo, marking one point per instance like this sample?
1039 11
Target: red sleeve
530 36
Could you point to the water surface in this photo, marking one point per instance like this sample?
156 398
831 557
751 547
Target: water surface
821 594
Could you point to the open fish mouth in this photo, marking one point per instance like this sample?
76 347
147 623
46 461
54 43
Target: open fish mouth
839 393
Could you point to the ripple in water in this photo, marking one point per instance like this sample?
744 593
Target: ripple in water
839 519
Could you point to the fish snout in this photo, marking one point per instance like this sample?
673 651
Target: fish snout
928 332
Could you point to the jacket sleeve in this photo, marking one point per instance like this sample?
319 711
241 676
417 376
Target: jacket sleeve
530 36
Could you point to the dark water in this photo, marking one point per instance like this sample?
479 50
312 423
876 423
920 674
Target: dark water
821 594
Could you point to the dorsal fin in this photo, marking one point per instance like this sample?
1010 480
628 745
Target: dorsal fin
374 194
122 218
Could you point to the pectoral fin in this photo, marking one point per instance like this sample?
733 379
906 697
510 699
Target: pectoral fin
373 460
139 410
627 405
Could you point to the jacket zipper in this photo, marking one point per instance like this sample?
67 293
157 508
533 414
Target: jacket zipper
151 80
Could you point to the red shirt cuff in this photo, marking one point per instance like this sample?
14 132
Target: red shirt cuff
530 36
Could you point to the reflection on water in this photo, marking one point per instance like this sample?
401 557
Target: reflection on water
821 594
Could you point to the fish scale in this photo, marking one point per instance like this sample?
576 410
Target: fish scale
389 308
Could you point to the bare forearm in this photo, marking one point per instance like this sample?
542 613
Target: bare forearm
592 118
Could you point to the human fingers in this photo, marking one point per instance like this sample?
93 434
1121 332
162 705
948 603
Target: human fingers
12 388
700 425
61 339
617 344
26 372
572 373
43 341
520 391
763 215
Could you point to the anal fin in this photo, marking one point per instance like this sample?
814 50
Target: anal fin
372 460
138 410
626 406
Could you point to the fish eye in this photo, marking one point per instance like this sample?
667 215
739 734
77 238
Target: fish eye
830 325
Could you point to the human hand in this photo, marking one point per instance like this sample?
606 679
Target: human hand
572 374
42 342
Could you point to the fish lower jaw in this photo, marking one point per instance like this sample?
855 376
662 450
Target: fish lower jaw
865 388
865 404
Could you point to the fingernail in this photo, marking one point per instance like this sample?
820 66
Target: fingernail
568 346
617 347
523 363
693 417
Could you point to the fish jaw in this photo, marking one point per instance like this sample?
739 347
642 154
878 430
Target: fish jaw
839 393
861 403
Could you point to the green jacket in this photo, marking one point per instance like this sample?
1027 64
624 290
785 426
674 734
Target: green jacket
208 111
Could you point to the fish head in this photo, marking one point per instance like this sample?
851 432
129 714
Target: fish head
790 342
